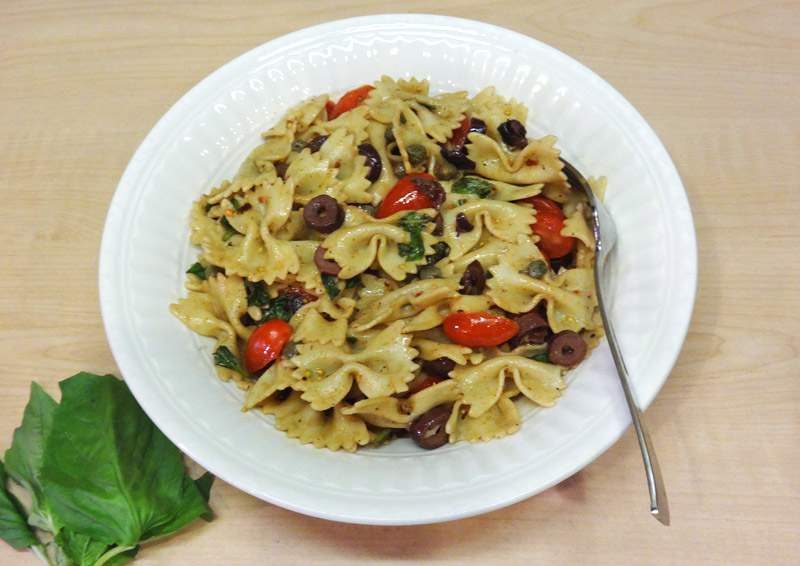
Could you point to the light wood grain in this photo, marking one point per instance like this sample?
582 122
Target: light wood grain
81 84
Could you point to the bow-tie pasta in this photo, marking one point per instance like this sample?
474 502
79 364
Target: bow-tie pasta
395 263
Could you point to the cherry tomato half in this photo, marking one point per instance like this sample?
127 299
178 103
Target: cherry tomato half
544 204
265 344
350 100
425 383
459 136
548 227
404 196
478 329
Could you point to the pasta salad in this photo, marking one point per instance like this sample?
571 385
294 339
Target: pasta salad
395 263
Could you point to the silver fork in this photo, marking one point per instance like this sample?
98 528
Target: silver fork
606 239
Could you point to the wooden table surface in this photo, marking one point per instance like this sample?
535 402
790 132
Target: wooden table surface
82 83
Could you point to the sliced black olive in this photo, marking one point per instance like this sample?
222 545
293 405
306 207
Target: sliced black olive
438 225
429 430
463 224
459 158
440 367
323 214
474 279
316 143
513 133
533 329
431 189
328 266
476 125
567 348
557 263
373 161
280 169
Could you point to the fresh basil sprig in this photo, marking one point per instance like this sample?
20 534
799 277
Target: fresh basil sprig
102 478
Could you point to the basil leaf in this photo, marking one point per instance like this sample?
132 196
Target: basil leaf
543 358
353 282
412 223
473 185
108 472
24 457
257 294
225 358
229 230
329 282
440 251
198 270
14 528
85 551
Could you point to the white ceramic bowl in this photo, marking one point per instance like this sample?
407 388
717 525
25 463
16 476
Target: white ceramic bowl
202 140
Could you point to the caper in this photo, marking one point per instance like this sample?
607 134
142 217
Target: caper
445 171
536 269
299 145
388 134
416 153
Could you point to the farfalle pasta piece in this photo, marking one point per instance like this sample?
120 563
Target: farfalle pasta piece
356 248
504 220
331 429
494 109
500 420
277 377
537 163
325 373
570 296
393 412
576 226
323 321
484 384
404 302
518 253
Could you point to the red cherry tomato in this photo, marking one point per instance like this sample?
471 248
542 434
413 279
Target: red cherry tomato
478 329
548 227
265 344
329 106
459 136
425 383
404 196
544 204
350 100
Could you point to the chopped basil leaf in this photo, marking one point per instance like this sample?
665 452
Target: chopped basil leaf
440 251
473 185
353 282
257 294
229 230
198 270
412 223
225 358
383 437
543 357
329 281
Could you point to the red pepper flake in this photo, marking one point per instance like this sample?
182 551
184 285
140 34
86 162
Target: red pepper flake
532 162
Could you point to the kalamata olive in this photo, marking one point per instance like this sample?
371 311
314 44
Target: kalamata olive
429 430
567 348
557 263
431 189
459 158
328 266
438 225
440 367
474 279
373 161
476 125
463 224
533 329
513 133
323 214
316 143
280 169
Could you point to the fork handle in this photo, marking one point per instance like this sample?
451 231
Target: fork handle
659 506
